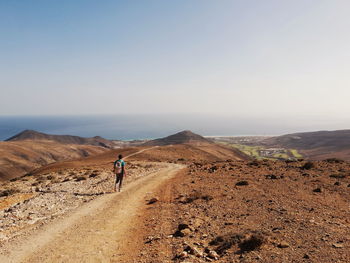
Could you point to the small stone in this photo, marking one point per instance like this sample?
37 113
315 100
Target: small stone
153 200
194 251
306 256
337 245
242 183
185 232
183 255
283 244
317 190
212 254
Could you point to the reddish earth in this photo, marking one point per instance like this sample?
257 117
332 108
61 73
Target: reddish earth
250 212
20 157
221 207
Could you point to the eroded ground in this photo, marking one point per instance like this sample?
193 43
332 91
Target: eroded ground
33 201
251 212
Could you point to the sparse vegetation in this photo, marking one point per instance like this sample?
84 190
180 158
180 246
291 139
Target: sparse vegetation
295 153
338 176
260 152
308 165
334 160
9 192
251 243
223 243
80 178
50 177
55 181
196 196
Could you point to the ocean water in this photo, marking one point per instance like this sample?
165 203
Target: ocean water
129 127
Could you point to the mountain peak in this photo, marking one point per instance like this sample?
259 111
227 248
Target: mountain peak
182 137
64 139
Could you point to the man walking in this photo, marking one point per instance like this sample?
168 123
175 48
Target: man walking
119 170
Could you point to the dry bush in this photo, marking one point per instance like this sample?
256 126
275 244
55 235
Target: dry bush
334 160
80 178
251 243
14 179
308 165
50 177
8 192
225 242
337 176
245 243
55 181
40 178
196 196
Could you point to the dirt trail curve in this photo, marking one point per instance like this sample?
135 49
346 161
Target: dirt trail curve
99 231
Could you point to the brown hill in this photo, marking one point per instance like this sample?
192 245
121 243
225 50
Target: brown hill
185 153
179 138
20 157
64 139
182 153
315 145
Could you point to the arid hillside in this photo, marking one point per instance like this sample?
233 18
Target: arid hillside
179 138
20 157
186 153
63 139
315 145
219 208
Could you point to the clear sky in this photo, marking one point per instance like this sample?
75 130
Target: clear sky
243 58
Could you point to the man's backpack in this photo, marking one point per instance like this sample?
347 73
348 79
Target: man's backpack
118 167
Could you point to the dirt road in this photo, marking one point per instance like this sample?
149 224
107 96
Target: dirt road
97 232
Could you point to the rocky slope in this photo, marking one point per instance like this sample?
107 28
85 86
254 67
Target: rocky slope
251 212
179 138
20 157
63 139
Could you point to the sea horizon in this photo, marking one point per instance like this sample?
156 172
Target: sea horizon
150 126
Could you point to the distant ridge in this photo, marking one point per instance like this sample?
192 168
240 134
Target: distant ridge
339 139
182 137
315 145
64 139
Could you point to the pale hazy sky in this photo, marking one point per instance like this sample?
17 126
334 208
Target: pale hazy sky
247 58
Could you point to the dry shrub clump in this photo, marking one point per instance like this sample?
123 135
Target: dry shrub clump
308 165
94 174
334 160
8 192
80 178
245 243
196 196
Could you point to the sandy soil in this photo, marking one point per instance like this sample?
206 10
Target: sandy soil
96 232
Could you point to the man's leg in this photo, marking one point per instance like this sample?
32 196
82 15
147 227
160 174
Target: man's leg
120 181
117 179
